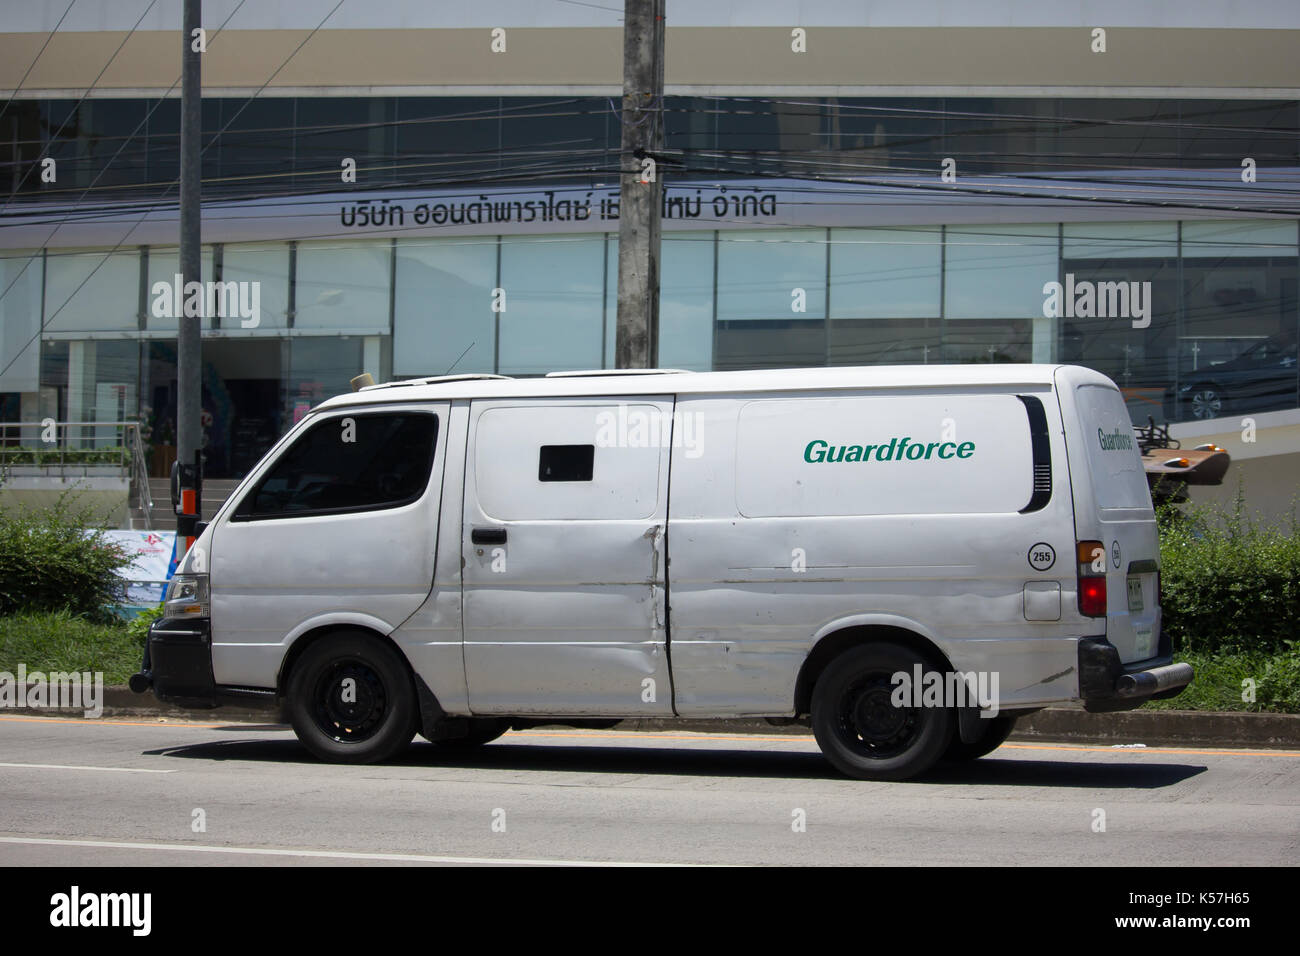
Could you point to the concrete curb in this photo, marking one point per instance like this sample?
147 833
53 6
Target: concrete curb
1178 728
1181 728
124 702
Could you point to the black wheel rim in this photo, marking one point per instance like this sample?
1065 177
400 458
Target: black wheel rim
869 723
349 712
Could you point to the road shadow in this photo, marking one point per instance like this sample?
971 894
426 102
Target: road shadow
1081 774
620 757
261 728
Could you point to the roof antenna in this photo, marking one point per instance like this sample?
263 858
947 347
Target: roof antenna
461 356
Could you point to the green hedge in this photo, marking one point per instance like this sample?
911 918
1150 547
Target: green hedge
1230 583
56 558
68 456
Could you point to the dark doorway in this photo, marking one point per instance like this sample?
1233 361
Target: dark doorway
242 386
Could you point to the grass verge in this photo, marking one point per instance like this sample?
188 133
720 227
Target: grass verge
59 641
1221 680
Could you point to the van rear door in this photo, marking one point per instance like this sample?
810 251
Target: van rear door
1113 507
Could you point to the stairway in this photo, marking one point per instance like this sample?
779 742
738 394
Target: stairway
162 518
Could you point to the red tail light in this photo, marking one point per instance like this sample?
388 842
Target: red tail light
1091 556
1092 597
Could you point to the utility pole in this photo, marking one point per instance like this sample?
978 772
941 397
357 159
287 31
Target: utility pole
641 190
189 342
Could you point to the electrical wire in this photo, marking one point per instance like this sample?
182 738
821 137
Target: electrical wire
104 169
46 320
73 112
1036 161
39 53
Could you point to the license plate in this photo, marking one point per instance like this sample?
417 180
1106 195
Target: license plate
1135 594
1144 642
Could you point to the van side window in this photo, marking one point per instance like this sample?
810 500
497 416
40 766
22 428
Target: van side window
566 462
348 463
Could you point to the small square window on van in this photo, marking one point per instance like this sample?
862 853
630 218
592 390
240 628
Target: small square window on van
566 462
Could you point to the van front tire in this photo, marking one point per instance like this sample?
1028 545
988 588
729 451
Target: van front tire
859 729
351 699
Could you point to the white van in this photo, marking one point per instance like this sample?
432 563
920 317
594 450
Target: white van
460 556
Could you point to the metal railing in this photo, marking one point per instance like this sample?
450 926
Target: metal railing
140 477
68 449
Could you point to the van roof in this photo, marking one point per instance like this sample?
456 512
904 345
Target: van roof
671 381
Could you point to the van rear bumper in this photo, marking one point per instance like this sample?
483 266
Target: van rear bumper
177 667
1107 684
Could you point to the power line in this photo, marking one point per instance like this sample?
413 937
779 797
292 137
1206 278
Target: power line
46 320
104 169
1183 192
77 105
31 66
894 144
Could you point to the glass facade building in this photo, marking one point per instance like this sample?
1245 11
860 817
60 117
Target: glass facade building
1190 307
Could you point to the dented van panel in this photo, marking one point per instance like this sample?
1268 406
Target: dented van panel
431 638
564 592
939 549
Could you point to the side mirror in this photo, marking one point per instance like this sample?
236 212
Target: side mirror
176 486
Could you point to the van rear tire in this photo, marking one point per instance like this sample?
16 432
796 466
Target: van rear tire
858 728
996 731
482 730
351 699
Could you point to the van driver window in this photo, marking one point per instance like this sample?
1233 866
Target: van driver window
348 463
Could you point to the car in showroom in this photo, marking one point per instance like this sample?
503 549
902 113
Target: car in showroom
1262 378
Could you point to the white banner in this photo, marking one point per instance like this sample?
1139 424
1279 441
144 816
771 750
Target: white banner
146 576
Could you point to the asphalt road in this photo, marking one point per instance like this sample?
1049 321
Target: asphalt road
87 793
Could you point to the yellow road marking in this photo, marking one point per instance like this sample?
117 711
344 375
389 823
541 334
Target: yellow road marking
702 737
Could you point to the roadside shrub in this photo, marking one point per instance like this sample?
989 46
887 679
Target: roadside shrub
1279 686
1229 582
57 558
138 627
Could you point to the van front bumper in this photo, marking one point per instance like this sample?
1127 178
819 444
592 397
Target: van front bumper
1107 684
177 664
177 667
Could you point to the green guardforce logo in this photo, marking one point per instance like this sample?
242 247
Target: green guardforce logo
1114 441
897 449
